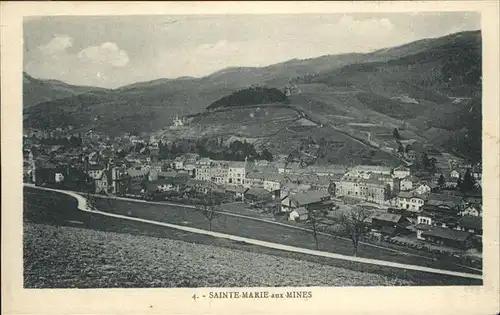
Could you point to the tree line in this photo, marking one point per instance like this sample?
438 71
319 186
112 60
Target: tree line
251 96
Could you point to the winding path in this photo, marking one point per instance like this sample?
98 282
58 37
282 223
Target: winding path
83 206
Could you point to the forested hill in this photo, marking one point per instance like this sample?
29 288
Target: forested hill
250 96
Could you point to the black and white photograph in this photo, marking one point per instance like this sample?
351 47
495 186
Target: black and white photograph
264 150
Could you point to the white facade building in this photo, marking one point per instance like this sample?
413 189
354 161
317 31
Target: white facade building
364 171
236 173
409 202
59 177
401 172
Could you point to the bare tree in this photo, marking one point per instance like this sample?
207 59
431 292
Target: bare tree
315 222
208 209
353 223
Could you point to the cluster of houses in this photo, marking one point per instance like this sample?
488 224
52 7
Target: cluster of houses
416 203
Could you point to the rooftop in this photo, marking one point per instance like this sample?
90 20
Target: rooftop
371 168
471 222
445 198
256 191
446 233
237 164
309 197
406 194
236 189
402 168
389 217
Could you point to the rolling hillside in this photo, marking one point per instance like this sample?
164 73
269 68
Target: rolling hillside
430 89
36 91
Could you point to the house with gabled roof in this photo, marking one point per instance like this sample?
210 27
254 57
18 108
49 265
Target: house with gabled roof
311 200
237 192
401 172
408 183
423 189
472 210
257 194
409 201
446 236
388 224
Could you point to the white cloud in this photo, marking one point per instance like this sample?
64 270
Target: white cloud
372 27
106 53
94 65
58 44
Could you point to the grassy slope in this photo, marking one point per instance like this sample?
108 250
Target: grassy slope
62 257
448 68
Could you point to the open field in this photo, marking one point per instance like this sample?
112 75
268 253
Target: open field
84 258
226 224
60 210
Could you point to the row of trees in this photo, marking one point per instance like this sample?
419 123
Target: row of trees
465 184
251 96
352 224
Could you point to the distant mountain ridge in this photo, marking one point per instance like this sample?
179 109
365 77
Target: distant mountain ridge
429 72
36 91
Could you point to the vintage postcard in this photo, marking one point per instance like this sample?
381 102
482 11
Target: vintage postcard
225 157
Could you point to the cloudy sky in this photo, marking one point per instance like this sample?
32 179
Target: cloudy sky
115 51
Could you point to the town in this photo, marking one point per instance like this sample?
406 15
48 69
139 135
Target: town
417 204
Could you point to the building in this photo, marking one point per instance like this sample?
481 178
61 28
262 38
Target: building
238 192
290 188
444 236
178 163
289 168
455 174
203 169
257 195
472 210
137 174
409 201
169 184
59 177
273 182
311 200
408 183
388 224
388 180
190 168
326 170
236 172
423 189
401 172
254 179
298 214
444 200
368 189
102 183
364 171
202 186
95 171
